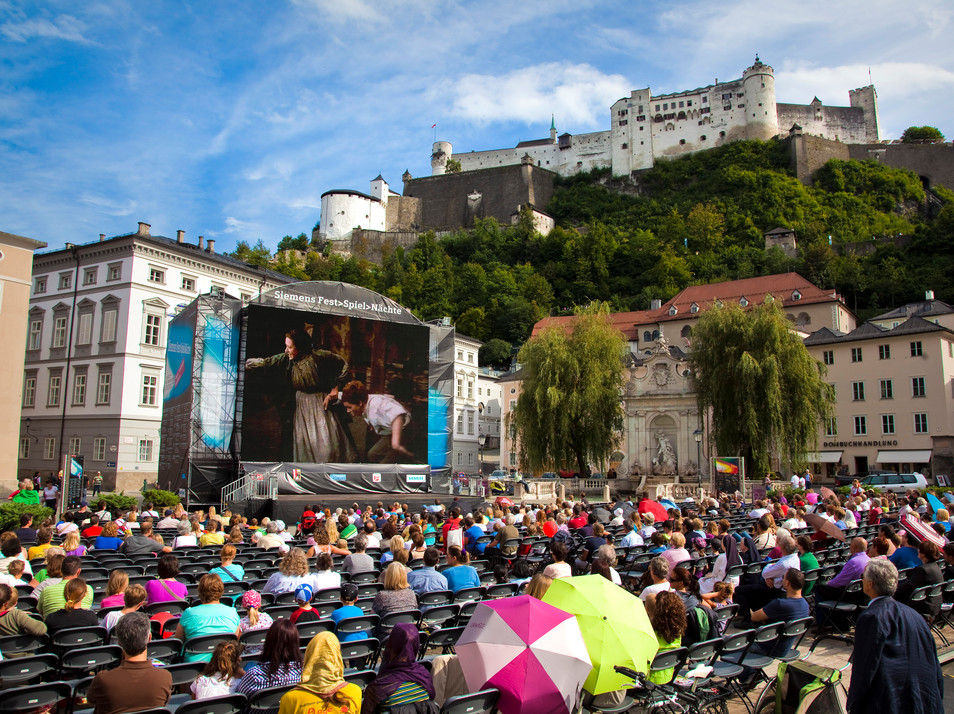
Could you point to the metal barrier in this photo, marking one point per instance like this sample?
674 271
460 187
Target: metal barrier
250 486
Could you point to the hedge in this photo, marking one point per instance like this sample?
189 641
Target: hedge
116 503
160 499
10 513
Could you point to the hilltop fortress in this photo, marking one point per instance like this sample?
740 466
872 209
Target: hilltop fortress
645 128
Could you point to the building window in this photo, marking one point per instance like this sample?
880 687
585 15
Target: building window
858 391
887 423
470 389
921 423
855 354
40 286
157 275
36 332
917 387
887 389
150 385
460 422
831 426
76 445
470 423
84 333
114 272
66 281
916 350
49 448
102 387
145 449
460 355
53 394
884 351
153 330
828 357
217 289
693 308
25 447
861 425
460 387
108 331
59 331
89 276
796 295
29 390
99 448
188 284
79 389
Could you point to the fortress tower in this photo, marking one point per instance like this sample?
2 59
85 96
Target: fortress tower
867 99
441 152
761 116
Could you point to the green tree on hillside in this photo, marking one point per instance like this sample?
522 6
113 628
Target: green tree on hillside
922 135
569 410
766 392
259 256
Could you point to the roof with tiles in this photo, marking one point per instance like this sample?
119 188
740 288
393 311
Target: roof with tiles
783 287
870 331
923 308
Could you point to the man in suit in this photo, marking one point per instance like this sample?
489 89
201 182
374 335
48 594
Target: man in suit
895 666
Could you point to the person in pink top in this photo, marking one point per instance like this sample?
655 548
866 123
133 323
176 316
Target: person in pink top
166 588
116 589
676 552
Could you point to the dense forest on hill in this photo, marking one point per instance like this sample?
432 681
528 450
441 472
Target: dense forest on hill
696 219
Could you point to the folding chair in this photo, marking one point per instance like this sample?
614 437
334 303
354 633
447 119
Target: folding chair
47 696
367 624
267 701
183 674
361 677
228 704
15 645
388 622
73 637
438 616
443 637
204 644
500 590
841 615
468 594
360 654
919 600
89 660
482 702
22 671
436 597
166 650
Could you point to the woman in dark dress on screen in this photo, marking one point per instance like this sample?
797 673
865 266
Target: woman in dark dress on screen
318 435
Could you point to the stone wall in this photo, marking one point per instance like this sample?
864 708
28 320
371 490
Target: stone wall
846 124
403 213
810 153
452 201
935 162
372 245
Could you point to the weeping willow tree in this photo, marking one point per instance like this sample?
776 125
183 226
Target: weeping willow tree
766 392
569 410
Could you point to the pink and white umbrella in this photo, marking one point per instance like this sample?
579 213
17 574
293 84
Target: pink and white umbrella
532 652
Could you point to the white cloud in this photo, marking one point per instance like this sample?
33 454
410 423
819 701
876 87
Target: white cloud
578 94
109 206
344 10
899 80
64 27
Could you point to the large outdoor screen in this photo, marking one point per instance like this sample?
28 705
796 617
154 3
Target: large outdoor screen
333 389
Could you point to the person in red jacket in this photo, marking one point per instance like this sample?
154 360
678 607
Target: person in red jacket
451 523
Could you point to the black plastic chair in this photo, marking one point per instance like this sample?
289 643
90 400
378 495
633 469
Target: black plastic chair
22 671
469 595
438 616
183 674
253 638
361 623
228 704
482 702
360 654
436 597
361 677
841 615
307 630
49 695
443 637
15 645
166 651
85 661
267 701
204 644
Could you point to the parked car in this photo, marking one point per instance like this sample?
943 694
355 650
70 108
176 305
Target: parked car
848 480
898 483
549 474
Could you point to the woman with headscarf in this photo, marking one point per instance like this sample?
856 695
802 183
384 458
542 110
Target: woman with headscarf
323 688
401 679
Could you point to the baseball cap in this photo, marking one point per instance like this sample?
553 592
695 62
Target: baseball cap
349 592
304 593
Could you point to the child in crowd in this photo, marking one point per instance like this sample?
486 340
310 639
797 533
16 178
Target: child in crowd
305 612
133 599
349 594
14 574
222 674
720 596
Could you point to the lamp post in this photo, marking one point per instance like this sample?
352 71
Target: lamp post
697 434
481 440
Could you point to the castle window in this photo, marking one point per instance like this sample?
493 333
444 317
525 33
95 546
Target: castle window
623 122
796 295
647 336
673 310
726 97
705 100
727 108
657 107
689 103
624 146
665 107
640 111
682 141
681 104
693 308
703 137
721 134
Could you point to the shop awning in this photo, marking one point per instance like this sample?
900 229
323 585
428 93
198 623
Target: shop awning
901 456
824 457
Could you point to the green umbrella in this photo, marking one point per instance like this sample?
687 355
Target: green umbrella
614 624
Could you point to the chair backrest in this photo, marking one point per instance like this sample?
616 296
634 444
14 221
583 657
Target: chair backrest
360 623
253 638
228 704
370 589
436 597
361 677
204 644
398 616
167 650
21 670
267 700
176 607
307 630
369 576
184 673
669 659
328 595
79 636
468 594
705 651
737 642
500 590
361 650
482 702
90 659
443 637
36 697
725 613
21 644
439 614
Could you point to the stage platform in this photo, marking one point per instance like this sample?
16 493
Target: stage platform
290 508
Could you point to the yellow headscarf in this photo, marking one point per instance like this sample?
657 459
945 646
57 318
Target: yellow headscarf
323 671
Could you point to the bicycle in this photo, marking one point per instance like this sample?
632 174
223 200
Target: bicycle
700 697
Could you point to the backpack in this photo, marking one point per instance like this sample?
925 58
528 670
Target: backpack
700 626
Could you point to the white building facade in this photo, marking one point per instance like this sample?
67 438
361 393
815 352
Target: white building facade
465 456
490 409
96 340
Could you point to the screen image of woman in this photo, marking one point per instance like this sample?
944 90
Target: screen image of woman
318 435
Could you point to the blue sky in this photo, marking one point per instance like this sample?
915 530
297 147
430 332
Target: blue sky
230 119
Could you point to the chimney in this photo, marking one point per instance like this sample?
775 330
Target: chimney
211 247
201 242
655 304
180 236
102 237
928 294
143 229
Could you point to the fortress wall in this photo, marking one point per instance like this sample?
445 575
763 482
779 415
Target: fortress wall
403 213
846 124
810 153
445 199
932 161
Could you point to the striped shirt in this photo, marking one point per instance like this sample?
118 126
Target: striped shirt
407 693
257 677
